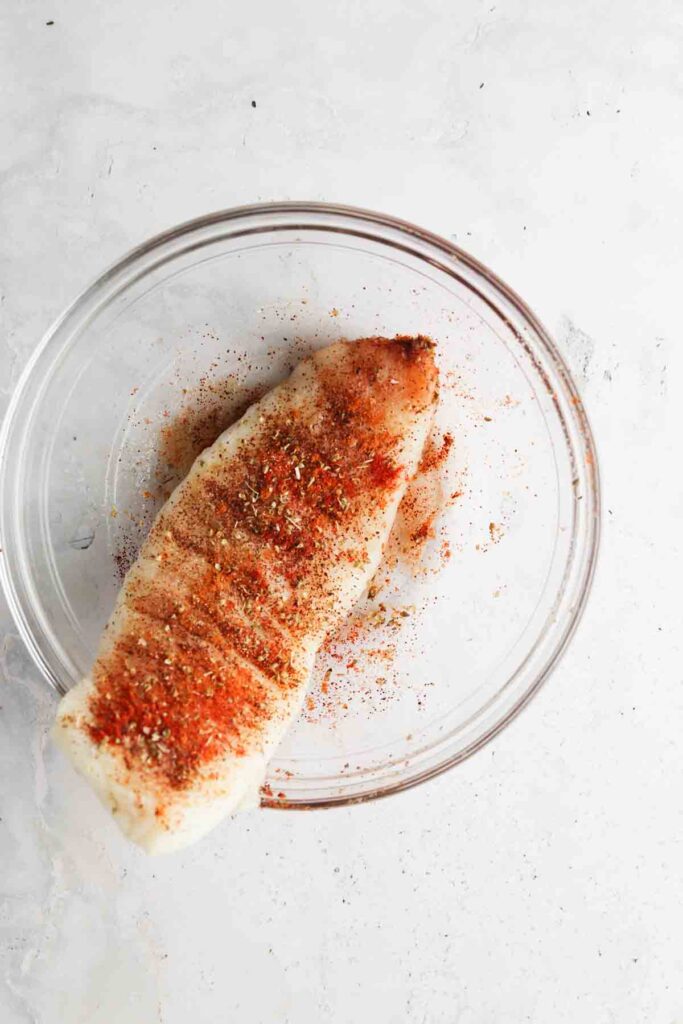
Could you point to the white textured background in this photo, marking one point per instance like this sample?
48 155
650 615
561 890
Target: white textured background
543 880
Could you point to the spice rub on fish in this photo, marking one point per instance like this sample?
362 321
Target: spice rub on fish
257 555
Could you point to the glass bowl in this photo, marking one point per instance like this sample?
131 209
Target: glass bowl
148 362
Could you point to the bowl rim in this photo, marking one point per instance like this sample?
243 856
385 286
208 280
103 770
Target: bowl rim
452 253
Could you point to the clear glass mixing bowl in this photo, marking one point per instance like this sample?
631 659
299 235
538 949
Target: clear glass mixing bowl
225 304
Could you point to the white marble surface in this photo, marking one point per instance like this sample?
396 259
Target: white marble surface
543 880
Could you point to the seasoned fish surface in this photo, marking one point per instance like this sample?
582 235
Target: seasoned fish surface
258 554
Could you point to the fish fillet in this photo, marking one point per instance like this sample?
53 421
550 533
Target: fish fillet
258 554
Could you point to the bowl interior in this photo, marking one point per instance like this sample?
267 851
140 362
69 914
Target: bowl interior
467 617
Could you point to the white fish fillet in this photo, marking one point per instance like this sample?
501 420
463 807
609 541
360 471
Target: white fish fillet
260 552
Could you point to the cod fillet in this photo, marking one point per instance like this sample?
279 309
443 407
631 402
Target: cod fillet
257 555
